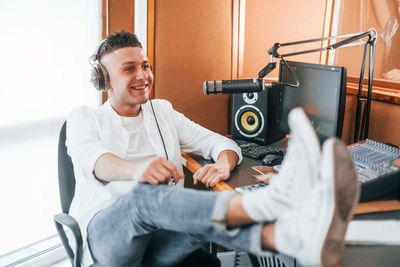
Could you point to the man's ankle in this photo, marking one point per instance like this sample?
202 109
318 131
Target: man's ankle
268 236
235 213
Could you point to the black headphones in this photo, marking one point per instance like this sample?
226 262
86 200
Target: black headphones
98 75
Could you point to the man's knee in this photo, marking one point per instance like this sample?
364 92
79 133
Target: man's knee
145 190
140 190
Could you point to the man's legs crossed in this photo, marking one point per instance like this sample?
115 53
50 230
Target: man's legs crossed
146 209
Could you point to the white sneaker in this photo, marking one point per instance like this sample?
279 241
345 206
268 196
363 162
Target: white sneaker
314 233
297 176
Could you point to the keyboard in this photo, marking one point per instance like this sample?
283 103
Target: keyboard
257 151
251 187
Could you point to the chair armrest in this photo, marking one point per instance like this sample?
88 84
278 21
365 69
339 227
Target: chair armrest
75 253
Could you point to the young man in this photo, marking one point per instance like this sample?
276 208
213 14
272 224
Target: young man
129 217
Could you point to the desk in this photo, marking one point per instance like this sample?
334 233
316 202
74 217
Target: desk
354 255
240 176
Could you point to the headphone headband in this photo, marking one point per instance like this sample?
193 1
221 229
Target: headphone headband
98 50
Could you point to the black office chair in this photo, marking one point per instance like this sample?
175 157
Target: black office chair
66 181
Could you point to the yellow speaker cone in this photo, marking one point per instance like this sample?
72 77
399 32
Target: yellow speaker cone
249 121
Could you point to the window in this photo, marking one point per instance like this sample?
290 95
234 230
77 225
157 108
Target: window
44 70
359 16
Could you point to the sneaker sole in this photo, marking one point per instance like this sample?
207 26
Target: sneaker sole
346 192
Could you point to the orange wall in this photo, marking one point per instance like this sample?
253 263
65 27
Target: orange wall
268 22
120 15
193 44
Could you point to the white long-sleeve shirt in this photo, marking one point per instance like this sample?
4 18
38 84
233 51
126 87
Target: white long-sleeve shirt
92 132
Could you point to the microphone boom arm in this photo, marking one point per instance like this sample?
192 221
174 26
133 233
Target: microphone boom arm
371 33
363 104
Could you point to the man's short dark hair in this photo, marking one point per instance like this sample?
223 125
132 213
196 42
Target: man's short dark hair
118 40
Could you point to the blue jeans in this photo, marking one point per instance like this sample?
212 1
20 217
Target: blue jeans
160 225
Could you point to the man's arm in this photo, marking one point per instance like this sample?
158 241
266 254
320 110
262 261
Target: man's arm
211 174
109 167
193 138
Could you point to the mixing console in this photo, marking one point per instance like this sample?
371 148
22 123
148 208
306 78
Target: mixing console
374 163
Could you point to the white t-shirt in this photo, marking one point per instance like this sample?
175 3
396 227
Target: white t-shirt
139 148
139 151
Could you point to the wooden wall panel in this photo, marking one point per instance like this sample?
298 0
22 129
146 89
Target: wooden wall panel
384 124
193 44
120 15
349 119
268 22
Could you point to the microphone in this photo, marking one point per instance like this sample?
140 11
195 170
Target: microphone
236 86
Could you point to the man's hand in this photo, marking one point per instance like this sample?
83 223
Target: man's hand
159 171
211 174
393 74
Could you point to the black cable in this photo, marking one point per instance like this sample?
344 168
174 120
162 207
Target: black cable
370 78
267 69
359 108
158 127
171 179
293 75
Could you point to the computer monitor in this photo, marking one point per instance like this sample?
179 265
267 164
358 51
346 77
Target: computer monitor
321 93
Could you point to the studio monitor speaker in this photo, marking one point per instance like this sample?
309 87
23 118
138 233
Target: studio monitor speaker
253 117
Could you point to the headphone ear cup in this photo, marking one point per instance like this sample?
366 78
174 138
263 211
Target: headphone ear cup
99 77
